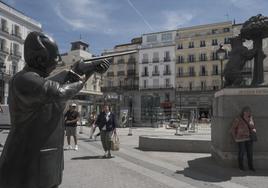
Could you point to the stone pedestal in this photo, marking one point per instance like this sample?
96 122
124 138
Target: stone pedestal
227 105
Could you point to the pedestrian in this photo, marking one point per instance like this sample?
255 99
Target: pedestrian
241 128
33 153
107 123
71 119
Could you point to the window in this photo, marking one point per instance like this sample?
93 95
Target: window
214 56
227 29
191 44
214 42
202 43
203 85
191 86
166 56
145 71
110 83
155 57
155 71
203 71
180 72
180 46
14 67
180 59
167 82
227 41
167 70
145 58
151 38
191 71
4 25
167 97
16 30
203 57
144 83
15 49
214 31
215 70
3 45
166 37
191 58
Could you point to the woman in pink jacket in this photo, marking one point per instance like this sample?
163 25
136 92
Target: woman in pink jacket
240 130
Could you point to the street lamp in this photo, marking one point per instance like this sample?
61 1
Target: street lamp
221 54
2 71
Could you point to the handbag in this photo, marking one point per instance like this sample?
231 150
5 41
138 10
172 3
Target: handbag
252 134
115 143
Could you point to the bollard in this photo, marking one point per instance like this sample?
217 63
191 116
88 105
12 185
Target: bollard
130 126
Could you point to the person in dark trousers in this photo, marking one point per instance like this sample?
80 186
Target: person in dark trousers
32 156
71 119
240 130
107 123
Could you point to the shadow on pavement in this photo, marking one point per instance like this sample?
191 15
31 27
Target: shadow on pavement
89 157
207 169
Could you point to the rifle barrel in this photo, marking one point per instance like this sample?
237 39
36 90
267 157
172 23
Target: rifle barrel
110 55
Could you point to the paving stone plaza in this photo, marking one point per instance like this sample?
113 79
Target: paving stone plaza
131 167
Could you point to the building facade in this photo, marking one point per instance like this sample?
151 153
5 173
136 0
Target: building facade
14 27
88 98
198 69
120 82
157 75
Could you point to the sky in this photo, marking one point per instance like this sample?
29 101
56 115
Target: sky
106 23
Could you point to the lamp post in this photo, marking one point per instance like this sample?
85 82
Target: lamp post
2 71
221 54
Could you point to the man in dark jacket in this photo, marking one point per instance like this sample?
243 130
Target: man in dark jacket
106 121
33 153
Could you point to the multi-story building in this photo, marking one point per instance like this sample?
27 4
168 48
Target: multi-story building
14 27
198 69
88 97
157 74
120 82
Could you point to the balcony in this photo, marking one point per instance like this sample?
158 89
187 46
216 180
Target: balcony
145 61
121 73
131 72
155 60
167 59
110 74
166 86
4 50
119 88
203 73
121 61
4 29
144 74
189 74
16 54
215 73
167 72
155 73
132 61
190 89
17 34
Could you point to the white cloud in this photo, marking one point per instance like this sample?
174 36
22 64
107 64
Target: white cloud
87 15
175 19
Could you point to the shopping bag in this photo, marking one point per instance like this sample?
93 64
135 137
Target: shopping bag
115 143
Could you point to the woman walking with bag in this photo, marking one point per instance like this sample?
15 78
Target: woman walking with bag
242 128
